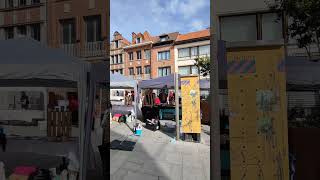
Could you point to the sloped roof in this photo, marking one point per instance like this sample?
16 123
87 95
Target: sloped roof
194 35
172 37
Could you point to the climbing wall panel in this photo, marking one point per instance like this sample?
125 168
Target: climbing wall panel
258 113
190 94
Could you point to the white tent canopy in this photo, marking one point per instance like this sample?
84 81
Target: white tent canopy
119 81
26 60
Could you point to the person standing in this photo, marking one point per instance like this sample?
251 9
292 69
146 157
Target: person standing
3 139
24 100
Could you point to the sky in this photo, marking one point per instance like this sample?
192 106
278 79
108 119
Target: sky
158 16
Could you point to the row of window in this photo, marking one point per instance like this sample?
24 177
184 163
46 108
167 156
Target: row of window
260 26
35 31
162 71
147 55
117 59
117 71
92 25
194 51
21 3
147 70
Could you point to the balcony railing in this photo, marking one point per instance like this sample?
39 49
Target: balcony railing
86 50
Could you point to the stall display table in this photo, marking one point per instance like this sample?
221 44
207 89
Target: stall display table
168 112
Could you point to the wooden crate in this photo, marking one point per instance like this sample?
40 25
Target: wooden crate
59 125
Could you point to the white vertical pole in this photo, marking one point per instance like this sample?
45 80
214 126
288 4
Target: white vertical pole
176 88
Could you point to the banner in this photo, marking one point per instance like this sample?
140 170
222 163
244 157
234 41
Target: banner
190 94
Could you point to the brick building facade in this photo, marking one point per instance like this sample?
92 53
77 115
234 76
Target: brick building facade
117 54
149 57
79 27
138 56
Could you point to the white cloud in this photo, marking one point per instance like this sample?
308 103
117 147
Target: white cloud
197 25
190 8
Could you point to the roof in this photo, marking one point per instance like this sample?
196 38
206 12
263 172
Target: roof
194 35
172 37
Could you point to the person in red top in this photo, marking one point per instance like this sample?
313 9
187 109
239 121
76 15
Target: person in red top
157 101
73 107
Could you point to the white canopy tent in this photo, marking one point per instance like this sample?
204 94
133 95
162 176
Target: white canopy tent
118 81
25 61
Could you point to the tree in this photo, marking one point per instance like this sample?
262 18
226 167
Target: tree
203 64
305 25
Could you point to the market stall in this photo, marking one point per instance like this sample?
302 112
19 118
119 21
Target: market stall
120 82
165 87
26 63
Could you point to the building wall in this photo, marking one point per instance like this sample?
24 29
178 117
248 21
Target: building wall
165 63
78 10
23 16
187 61
244 6
137 63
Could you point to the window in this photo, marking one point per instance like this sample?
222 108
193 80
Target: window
116 59
93 28
9 3
35 31
238 28
112 60
35 1
22 2
131 71
9 33
147 54
139 70
68 31
184 52
165 55
194 51
184 70
194 70
22 30
120 59
204 50
164 71
187 70
271 29
112 71
116 44
138 54
138 40
130 56
163 38
121 71
147 69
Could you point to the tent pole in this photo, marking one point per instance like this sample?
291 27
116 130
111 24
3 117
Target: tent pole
176 87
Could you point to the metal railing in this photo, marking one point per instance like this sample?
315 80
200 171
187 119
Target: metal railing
86 50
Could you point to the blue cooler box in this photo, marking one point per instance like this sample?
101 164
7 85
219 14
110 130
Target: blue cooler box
138 132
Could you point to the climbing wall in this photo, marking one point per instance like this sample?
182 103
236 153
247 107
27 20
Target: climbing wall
258 114
190 94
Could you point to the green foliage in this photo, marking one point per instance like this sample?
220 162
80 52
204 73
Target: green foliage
305 16
203 63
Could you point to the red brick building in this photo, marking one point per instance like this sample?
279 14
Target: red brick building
163 55
117 54
138 56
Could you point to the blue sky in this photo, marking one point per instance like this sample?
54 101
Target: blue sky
158 16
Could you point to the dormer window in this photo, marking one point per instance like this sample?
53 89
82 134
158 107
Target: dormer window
164 38
138 40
